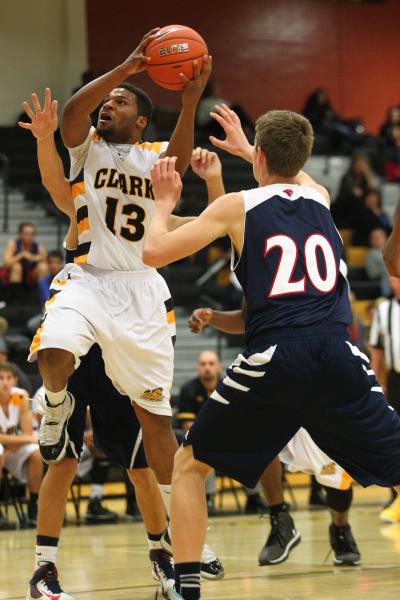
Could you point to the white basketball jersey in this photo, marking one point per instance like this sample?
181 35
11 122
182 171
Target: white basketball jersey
114 201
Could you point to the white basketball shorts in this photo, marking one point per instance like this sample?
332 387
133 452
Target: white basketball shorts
302 454
129 314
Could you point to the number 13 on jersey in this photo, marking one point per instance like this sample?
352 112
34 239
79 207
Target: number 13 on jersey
283 282
133 231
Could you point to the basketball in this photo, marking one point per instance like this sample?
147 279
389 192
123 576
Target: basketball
173 52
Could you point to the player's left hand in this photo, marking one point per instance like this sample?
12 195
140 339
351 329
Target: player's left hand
206 164
43 122
166 181
195 87
199 319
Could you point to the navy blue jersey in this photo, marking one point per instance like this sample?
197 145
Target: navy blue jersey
289 266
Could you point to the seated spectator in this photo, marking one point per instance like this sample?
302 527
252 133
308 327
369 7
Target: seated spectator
349 210
392 157
374 264
392 120
55 262
21 379
212 96
341 134
24 262
373 202
19 446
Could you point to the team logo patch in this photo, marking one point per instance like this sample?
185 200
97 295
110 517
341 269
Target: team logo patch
154 395
288 192
328 469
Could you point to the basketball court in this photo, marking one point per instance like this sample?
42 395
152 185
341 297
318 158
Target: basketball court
109 562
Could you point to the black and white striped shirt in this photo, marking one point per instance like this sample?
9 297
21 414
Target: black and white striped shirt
385 331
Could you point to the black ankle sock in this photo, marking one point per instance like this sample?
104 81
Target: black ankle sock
45 540
187 577
275 509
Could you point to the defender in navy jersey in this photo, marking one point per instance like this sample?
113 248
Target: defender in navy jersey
299 368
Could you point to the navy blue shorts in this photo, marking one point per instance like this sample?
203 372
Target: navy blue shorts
317 380
116 429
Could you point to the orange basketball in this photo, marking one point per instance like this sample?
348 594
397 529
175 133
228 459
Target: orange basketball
172 52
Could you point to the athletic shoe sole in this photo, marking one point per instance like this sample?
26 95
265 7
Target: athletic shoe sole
346 563
292 544
209 576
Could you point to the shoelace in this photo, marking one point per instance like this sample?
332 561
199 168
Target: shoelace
345 541
207 554
276 534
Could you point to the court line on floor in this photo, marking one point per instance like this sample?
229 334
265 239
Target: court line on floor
230 579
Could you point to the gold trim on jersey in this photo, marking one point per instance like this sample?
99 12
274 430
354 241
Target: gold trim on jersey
171 317
78 189
152 146
36 341
82 253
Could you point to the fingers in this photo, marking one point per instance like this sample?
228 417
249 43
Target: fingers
28 110
53 109
36 104
25 125
221 120
47 99
216 142
150 35
207 66
185 79
196 69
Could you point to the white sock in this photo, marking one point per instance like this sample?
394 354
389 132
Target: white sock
166 496
96 490
55 398
45 554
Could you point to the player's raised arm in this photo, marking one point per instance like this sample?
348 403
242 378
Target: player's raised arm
162 246
391 250
44 122
236 142
76 122
182 139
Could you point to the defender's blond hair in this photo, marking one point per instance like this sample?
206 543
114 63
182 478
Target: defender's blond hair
286 139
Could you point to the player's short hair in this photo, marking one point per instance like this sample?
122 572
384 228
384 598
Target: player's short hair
22 226
55 254
145 105
5 366
286 139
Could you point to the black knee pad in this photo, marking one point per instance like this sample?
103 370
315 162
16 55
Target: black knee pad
338 500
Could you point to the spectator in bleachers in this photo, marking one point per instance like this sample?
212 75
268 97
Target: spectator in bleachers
55 262
212 96
18 444
392 157
374 263
349 210
24 262
21 379
392 120
341 134
373 201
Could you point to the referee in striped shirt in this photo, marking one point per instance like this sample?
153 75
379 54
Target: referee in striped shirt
384 340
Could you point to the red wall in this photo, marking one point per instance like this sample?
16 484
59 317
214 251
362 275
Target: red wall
270 53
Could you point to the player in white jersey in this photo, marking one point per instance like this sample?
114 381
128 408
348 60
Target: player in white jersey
109 296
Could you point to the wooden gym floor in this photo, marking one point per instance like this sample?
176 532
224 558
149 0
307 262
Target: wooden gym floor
109 562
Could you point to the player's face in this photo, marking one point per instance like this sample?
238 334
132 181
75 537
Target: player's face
118 117
7 381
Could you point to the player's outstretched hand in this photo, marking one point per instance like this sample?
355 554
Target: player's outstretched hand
199 319
194 88
206 164
137 61
167 184
236 141
43 122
